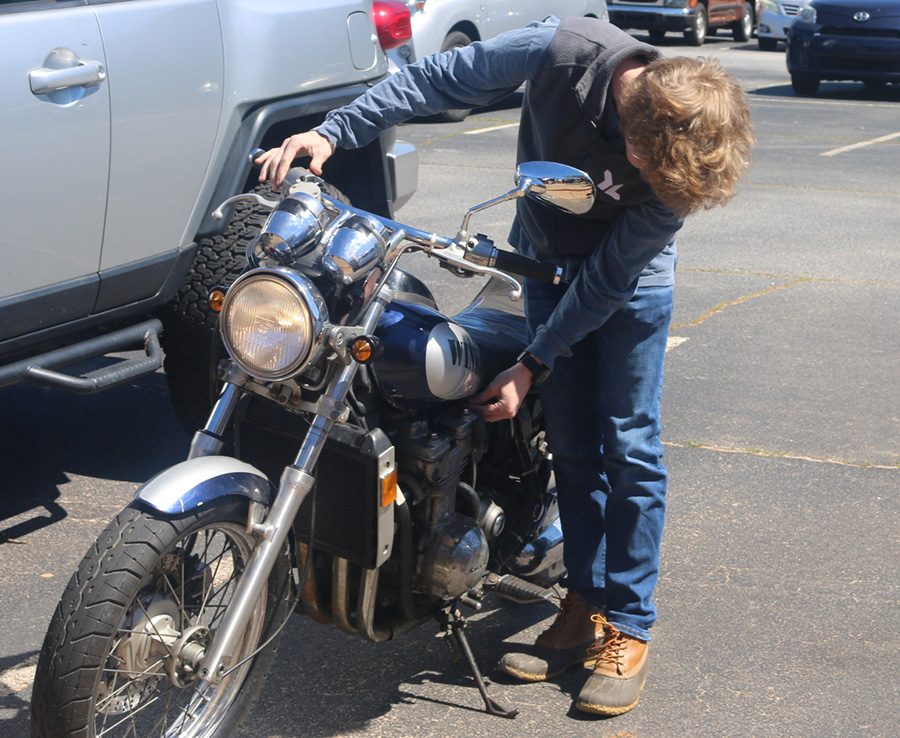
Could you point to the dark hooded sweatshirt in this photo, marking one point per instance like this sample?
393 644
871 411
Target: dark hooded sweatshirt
627 238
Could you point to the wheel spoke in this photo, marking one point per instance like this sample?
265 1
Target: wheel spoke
142 702
108 697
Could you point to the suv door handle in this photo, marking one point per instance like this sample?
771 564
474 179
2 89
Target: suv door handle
63 69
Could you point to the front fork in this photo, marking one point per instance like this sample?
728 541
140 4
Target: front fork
296 482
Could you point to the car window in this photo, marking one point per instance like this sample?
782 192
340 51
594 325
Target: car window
13 6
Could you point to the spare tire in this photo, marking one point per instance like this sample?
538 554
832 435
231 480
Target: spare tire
190 337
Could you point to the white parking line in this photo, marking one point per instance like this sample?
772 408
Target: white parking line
491 128
674 342
861 144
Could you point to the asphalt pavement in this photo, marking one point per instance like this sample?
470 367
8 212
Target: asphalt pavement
778 597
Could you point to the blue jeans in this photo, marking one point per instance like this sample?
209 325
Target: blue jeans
601 407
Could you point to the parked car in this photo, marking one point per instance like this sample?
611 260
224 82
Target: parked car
845 40
775 19
692 18
441 25
125 124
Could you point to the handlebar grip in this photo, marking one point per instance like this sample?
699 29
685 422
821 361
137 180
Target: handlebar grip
531 268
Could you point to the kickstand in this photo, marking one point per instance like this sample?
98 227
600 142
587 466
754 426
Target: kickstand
452 623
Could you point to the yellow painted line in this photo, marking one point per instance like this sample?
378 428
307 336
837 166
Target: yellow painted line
491 128
862 144
715 310
766 453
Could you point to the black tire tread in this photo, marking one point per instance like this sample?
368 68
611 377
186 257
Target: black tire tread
82 623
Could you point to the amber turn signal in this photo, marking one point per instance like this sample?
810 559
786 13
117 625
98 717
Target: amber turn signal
389 488
215 299
365 349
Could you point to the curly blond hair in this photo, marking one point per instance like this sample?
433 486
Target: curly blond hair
689 121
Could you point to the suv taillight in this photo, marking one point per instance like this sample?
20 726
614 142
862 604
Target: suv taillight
391 22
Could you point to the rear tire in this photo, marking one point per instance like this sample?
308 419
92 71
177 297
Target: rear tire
742 29
804 86
455 40
696 34
144 592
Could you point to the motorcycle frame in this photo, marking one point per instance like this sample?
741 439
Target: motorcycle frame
296 482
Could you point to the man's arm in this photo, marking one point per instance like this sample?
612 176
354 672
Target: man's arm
474 75
607 278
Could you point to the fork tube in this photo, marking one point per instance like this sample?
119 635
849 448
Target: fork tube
208 440
296 482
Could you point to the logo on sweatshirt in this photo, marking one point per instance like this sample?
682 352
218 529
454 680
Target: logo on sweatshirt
608 187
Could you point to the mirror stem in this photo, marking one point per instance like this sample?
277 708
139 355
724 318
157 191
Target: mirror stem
462 235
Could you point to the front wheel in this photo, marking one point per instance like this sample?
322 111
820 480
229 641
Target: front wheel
122 654
696 34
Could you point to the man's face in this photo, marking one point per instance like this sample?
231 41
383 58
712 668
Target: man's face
634 158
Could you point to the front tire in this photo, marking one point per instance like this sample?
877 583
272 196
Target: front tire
696 34
121 654
766 43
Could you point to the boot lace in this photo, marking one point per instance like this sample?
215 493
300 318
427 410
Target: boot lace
609 648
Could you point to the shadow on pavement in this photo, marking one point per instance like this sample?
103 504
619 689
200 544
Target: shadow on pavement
126 433
326 683
848 91
16 674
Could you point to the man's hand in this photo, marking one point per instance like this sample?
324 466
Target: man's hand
277 162
503 396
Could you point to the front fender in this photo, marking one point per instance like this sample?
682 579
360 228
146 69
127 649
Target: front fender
200 481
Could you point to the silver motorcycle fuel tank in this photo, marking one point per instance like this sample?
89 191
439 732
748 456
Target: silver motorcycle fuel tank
427 358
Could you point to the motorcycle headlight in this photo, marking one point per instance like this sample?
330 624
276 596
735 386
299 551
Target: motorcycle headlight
272 323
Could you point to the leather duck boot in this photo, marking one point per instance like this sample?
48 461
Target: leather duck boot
619 673
564 643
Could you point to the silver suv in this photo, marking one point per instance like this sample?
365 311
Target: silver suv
125 123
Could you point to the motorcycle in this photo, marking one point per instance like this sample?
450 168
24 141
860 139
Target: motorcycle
360 490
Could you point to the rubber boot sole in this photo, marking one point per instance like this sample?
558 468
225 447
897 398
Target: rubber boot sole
526 676
608 710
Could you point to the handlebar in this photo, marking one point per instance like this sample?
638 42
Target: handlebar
507 261
446 250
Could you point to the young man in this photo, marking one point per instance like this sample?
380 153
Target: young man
661 138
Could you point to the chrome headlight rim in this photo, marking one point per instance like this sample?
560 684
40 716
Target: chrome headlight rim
316 315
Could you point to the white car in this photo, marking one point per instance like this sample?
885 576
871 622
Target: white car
775 19
441 25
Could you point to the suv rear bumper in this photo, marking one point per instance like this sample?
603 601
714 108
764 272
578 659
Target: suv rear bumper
652 18
403 172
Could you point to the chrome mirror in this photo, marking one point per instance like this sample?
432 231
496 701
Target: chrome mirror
559 185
